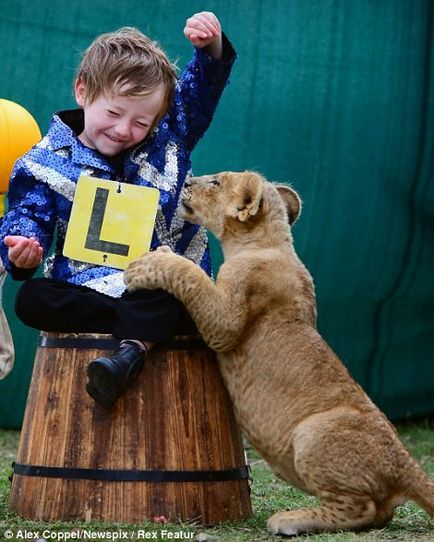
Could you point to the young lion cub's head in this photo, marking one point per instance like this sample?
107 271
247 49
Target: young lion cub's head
232 200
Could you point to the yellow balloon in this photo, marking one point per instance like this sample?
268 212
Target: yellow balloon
18 133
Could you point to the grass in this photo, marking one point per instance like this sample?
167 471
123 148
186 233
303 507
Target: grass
268 495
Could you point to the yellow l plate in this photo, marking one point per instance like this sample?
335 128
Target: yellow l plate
111 223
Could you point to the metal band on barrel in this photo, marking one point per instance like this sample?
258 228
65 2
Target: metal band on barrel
115 475
102 343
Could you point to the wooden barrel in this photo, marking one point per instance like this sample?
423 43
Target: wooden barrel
169 447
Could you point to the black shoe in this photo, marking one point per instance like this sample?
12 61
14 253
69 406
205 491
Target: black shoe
110 377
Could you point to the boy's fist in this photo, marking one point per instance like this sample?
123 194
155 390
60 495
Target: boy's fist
25 253
203 29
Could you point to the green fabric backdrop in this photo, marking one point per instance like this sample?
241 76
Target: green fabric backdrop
334 96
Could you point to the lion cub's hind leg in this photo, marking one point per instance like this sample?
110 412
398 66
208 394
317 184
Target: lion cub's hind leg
344 513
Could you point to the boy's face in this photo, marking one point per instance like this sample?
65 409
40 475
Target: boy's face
114 123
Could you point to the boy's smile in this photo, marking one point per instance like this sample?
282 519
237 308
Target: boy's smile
114 123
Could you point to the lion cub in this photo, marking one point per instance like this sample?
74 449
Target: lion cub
292 396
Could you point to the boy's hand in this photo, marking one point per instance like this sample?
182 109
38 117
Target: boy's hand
204 30
23 252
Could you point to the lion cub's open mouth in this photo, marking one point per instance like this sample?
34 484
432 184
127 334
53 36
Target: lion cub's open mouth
186 207
185 198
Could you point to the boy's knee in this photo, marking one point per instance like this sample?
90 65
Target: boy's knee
32 305
25 304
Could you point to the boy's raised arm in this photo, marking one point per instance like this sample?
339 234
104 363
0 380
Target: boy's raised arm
201 84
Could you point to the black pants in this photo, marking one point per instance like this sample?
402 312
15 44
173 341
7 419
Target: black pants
148 315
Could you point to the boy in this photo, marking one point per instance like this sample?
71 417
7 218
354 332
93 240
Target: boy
138 125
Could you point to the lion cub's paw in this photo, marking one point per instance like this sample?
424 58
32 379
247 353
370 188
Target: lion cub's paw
146 272
284 523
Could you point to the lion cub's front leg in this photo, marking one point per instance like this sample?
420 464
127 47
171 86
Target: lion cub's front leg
212 308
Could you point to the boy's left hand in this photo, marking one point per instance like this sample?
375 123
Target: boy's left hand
204 30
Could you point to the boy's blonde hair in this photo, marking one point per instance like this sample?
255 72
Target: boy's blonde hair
128 63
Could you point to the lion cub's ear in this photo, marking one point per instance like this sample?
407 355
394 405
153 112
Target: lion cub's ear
248 196
291 200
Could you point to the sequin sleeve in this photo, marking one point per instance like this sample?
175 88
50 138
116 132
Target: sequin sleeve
31 212
198 92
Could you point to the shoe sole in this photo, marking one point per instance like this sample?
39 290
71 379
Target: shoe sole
102 387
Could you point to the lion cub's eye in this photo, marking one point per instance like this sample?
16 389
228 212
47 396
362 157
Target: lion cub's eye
214 182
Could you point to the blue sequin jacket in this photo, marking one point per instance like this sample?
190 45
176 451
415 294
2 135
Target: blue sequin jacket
43 181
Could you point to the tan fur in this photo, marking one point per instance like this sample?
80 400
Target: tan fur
293 398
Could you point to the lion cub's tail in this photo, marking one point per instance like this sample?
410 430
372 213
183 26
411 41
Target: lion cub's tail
421 491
